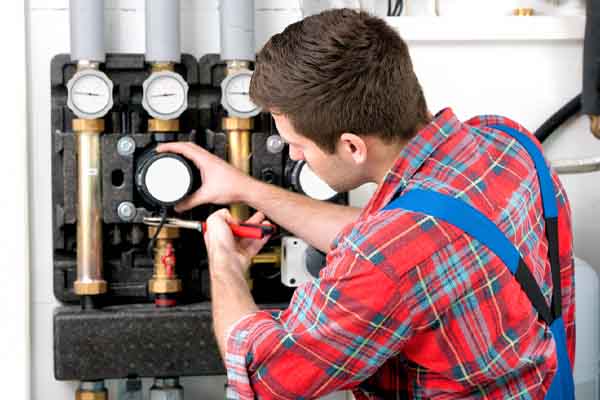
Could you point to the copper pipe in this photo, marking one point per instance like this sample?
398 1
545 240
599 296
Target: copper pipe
89 208
238 130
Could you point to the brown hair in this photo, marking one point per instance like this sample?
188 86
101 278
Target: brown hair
340 71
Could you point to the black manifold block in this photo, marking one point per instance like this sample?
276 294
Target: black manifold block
134 340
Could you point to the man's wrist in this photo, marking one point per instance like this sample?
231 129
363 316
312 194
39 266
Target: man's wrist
245 185
227 269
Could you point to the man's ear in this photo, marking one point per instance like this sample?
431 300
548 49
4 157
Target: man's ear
352 146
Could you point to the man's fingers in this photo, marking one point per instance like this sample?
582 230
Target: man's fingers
257 218
187 149
195 199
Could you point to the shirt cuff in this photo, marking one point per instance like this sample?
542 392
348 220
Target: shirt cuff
238 353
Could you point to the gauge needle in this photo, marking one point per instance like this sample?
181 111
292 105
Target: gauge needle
244 93
87 94
164 95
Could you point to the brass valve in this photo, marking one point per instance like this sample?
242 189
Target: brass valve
164 280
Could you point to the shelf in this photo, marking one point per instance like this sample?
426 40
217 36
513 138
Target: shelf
501 28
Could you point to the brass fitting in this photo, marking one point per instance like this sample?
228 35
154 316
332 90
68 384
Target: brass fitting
163 125
159 66
165 233
88 125
271 257
164 279
89 395
236 65
595 125
93 390
89 288
162 286
237 124
523 12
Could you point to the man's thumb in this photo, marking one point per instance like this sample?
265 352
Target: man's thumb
195 199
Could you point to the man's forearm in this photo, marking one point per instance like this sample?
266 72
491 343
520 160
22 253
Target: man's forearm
316 222
231 300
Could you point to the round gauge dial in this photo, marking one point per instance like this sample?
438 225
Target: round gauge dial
168 179
304 180
165 95
90 94
235 95
164 179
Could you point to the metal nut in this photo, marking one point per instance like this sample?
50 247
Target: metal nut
126 146
89 288
163 125
164 286
237 124
126 211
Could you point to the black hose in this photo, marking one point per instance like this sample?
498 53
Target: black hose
567 111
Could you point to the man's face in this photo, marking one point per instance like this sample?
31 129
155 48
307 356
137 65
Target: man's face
334 169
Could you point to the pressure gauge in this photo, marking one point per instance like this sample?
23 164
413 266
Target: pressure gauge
163 179
165 95
304 180
90 94
235 95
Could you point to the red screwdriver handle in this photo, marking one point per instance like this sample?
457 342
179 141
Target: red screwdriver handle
250 231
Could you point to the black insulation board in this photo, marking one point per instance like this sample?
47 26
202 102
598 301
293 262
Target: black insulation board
140 340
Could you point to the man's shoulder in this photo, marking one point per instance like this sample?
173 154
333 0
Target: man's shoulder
396 240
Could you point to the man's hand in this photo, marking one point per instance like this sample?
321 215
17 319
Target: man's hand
226 253
221 182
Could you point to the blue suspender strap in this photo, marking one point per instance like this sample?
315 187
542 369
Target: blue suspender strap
550 210
478 226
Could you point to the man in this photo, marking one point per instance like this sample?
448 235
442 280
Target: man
408 305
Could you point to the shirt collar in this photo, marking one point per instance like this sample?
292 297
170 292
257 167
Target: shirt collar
412 156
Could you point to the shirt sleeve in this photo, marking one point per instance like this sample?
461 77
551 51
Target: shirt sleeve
337 331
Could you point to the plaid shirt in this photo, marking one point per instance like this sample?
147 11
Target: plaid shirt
411 307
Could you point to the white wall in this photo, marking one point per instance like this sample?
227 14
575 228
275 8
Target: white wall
525 80
14 262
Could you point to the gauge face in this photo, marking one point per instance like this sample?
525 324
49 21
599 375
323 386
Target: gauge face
90 94
236 95
165 95
313 186
167 180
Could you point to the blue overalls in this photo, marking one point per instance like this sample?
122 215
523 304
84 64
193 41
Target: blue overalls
478 226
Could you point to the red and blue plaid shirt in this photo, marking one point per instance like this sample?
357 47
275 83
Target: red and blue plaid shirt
412 307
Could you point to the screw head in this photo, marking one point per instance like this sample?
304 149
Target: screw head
126 146
275 144
126 211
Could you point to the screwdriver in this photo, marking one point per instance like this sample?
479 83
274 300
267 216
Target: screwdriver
242 230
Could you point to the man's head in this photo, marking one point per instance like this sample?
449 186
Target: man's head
337 82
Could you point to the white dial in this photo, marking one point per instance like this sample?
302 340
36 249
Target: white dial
165 95
168 179
235 95
90 94
313 186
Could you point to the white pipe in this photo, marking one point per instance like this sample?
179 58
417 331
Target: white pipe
576 166
162 31
87 30
237 30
